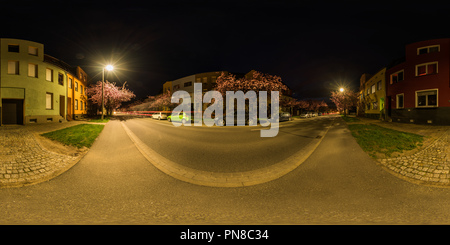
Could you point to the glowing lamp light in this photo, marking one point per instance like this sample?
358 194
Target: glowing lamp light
341 89
109 67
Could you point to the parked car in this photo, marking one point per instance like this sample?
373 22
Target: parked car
314 114
305 115
159 115
285 116
182 117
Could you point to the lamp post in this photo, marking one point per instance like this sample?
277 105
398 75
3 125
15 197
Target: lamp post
109 68
344 100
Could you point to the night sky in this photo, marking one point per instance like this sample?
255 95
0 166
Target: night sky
314 46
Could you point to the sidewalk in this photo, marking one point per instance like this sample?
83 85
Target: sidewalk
27 158
427 165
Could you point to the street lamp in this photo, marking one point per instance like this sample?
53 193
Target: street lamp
342 91
109 68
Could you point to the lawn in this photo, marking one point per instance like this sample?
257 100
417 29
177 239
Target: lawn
82 135
99 120
350 119
375 139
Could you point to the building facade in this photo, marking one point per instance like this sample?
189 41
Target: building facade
32 87
418 89
207 79
373 95
77 100
36 87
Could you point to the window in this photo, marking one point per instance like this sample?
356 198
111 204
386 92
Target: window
13 48
427 69
81 90
373 88
81 105
49 75
205 80
32 70
379 85
397 77
76 86
70 82
426 98
198 80
187 84
374 105
428 49
60 79
13 67
49 101
400 100
32 50
368 91
176 87
76 104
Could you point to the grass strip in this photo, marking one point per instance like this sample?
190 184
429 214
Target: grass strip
82 135
375 139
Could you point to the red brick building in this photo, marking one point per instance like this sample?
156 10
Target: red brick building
418 87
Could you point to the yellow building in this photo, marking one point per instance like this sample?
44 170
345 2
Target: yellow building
373 94
167 87
76 94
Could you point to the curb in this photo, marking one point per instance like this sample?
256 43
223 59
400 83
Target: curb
421 171
46 177
235 179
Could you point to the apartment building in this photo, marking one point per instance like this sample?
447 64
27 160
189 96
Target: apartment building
418 87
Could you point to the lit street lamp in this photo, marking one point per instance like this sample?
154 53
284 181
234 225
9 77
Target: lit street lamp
342 91
109 68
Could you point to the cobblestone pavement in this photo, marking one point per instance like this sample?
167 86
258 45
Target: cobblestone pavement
430 166
24 161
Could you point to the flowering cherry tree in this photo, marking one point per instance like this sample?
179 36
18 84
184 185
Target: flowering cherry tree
113 95
345 99
257 82
155 103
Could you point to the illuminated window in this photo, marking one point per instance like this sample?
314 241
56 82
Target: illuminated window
49 101
427 69
32 51
397 77
70 82
49 75
13 67
32 70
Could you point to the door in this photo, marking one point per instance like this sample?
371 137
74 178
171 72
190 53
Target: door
62 105
12 111
69 108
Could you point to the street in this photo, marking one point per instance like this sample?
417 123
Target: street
114 184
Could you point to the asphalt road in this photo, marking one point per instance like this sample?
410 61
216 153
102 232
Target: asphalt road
115 184
227 149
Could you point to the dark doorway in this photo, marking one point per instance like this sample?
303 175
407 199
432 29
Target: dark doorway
12 111
62 105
